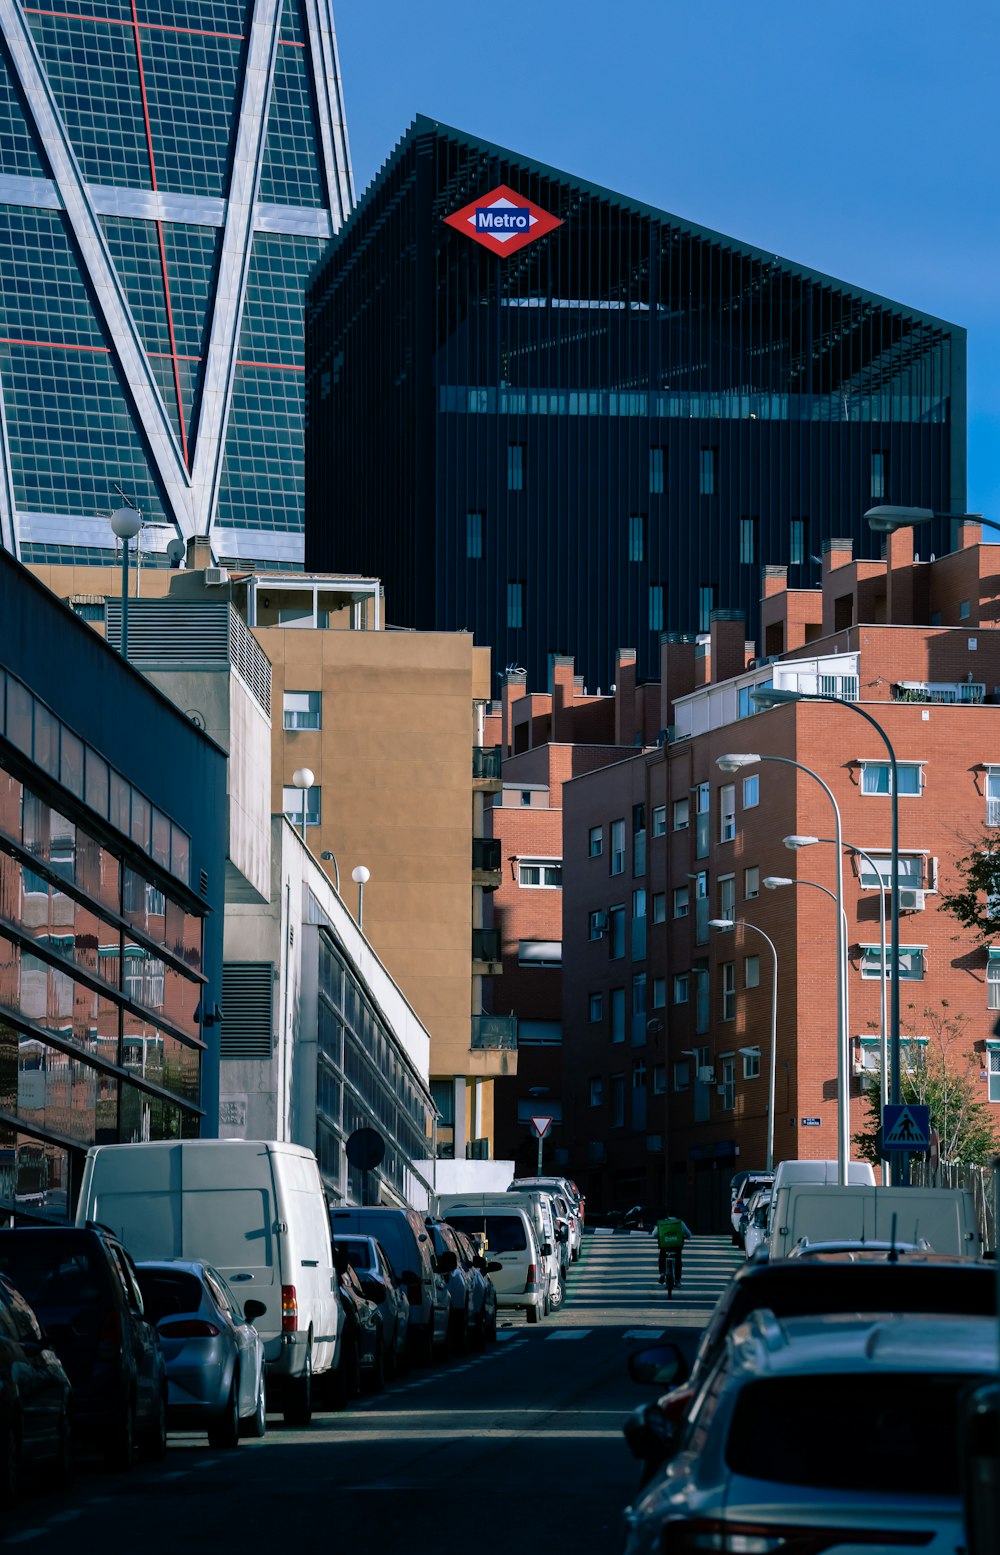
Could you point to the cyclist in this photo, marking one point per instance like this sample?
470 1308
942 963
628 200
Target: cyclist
671 1234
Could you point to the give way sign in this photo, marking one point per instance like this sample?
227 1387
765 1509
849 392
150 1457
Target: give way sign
540 1127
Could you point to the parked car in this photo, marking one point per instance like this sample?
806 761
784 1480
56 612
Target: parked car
507 1237
749 1473
407 1244
362 1350
458 1272
570 1193
755 1228
538 1206
216 1375
483 1325
82 1286
745 1185
35 1400
256 1211
368 1260
826 1284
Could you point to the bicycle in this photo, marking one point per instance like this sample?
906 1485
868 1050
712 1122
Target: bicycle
669 1277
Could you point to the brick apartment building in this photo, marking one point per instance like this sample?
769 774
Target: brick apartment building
666 1022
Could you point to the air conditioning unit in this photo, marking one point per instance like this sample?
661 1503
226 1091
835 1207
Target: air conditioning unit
215 575
911 900
706 1074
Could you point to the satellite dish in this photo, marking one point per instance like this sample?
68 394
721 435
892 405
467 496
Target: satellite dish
176 551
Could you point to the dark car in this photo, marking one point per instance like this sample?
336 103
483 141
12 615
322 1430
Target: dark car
82 1286
828 1284
362 1346
35 1400
367 1258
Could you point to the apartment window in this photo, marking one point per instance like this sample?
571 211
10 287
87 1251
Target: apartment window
656 607
992 786
993 981
616 933
90 612
993 1070
727 897
702 799
638 925
302 709
728 990
911 871
659 820
659 992
597 925
751 972
728 1083
751 791
525 795
706 600
618 1015
659 1079
880 472
639 1075
706 472
639 994
964 610
911 962
636 537
515 466
682 987
539 953
617 847
681 901
596 1091
515 603
595 1006
639 839
682 1075
748 541
876 777
751 882
797 542
656 471
617 1101
292 800
751 1063
659 907
595 841
681 814
474 536
540 873
727 812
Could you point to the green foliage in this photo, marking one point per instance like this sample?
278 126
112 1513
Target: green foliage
944 1076
976 904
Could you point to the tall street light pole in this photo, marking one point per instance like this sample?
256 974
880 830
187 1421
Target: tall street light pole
772 696
125 524
303 779
741 923
733 763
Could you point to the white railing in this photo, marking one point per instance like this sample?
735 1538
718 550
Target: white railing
947 692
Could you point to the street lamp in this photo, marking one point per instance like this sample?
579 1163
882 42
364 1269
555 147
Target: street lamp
125 524
733 923
361 876
773 697
886 520
304 778
733 763
330 858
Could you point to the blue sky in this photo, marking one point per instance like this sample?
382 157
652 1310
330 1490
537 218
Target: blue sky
860 138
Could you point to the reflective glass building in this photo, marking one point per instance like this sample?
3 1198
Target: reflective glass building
170 171
568 421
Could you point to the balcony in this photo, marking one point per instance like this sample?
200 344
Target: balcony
993 812
494 1033
949 693
486 862
486 959
486 769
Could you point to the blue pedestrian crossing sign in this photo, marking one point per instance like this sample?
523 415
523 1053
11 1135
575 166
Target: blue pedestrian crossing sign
906 1127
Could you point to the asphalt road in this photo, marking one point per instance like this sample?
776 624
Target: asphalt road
515 1447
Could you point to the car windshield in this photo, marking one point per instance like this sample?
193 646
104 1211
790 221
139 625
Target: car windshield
503 1233
167 1292
877 1432
358 1253
56 1281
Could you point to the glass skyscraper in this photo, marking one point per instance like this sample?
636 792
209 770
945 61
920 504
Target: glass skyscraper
170 171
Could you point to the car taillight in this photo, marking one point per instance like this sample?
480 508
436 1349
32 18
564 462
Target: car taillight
109 1341
532 1277
289 1310
717 1536
189 1328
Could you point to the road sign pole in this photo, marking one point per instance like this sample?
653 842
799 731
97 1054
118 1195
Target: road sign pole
541 1142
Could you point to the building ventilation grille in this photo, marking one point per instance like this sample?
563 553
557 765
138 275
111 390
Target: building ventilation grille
165 633
247 994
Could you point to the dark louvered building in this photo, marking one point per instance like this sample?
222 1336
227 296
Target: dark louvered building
567 421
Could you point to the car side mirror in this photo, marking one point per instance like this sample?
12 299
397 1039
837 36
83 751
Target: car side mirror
546 1249
409 1278
374 1290
447 1263
660 1364
494 1267
252 1310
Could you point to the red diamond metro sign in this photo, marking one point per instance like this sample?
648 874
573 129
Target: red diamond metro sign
503 221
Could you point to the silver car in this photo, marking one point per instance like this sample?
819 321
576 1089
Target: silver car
214 1355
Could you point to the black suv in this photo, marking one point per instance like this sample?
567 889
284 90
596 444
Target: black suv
82 1286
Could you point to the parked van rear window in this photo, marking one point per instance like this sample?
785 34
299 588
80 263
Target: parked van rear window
503 1233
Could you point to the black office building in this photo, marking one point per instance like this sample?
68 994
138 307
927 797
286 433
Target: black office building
567 421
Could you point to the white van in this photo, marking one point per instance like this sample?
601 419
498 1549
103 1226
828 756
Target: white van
539 1207
942 1218
819 1171
505 1234
253 1208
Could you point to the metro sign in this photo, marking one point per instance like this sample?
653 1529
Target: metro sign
503 221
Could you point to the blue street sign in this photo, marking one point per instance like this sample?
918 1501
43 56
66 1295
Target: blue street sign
811 1122
906 1127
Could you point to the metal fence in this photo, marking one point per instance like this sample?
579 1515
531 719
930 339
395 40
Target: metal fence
979 1181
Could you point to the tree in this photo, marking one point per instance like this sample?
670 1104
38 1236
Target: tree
943 1075
976 903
